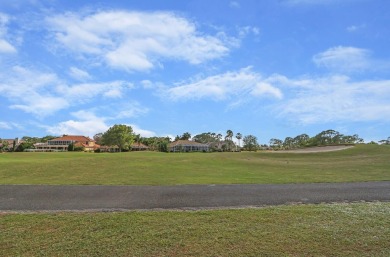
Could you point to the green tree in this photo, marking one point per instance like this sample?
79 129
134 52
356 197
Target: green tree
46 138
250 143
239 137
98 138
229 139
120 135
288 143
185 136
275 143
301 140
23 146
3 145
71 147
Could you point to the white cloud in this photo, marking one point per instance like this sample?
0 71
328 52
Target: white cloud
31 91
130 110
46 94
137 41
244 31
336 99
41 106
354 28
7 125
79 74
343 58
230 85
142 132
5 45
263 88
84 92
86 124
346 59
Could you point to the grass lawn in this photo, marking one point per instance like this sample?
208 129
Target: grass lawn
361 163
354 229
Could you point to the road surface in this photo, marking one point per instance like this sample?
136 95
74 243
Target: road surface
111 198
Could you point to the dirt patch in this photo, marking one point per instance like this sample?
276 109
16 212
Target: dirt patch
318 149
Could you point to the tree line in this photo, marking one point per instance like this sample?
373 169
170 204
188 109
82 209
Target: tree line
124 137
326 137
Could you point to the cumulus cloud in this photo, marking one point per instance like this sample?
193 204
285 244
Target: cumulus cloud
230 85
31 95
136 41
46 94
142 132
335 99
85 123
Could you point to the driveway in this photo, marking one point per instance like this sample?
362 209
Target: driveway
109 198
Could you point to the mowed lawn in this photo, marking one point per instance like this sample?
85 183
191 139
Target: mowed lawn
356 229
361 163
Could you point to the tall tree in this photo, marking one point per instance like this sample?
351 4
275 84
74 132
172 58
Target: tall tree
219 138
275 143
3 145
98 138
120 135
239 137
250 143
229 139
301 140
288 143
185 136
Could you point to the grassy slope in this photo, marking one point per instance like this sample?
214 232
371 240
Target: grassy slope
362 163
358 229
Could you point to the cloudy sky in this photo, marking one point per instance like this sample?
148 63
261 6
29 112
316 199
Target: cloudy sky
271 68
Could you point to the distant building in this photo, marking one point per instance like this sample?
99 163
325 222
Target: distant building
11 144
139 147
109 149
187 146
62 143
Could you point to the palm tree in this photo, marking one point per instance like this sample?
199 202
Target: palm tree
229 138
239 136
219 138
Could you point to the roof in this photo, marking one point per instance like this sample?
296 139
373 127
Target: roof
186 143
86 146
72 138
139 145
11 141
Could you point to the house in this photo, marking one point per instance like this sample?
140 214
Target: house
62 143
187 146
139 147
10 144
109 149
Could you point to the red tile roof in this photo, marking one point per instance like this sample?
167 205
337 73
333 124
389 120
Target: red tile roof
72 138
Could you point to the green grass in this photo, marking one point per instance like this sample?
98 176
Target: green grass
355 229
361 163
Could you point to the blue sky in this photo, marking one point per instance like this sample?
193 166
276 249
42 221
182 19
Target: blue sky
271 68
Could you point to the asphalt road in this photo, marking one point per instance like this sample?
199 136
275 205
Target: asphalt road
108 198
